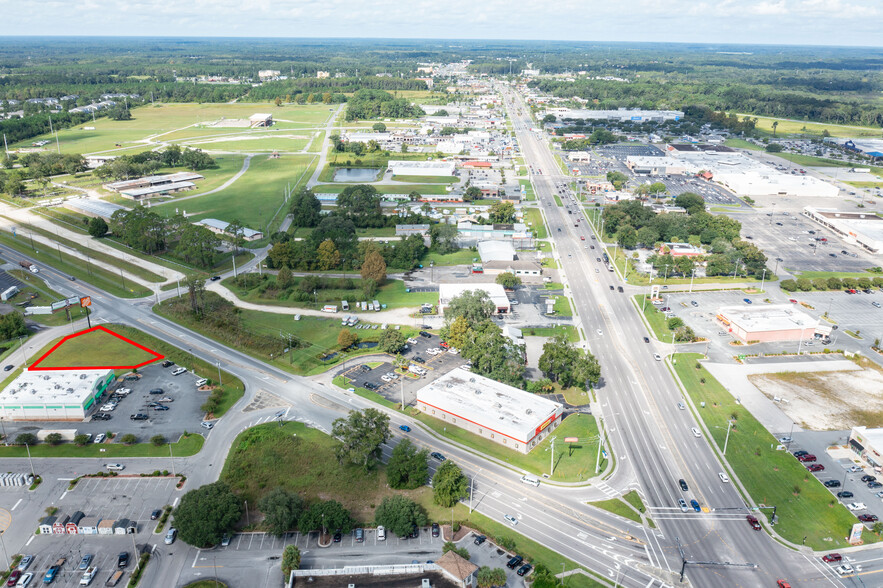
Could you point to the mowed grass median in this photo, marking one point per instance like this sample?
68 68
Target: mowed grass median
94 348
774 478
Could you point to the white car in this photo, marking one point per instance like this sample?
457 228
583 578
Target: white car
179 371
853 506
600 333
454 350
412 341
696 432
385 378
107 408
25 580
723 477
657 357
99 438
845 569
854 469
466 367
512 520
432 351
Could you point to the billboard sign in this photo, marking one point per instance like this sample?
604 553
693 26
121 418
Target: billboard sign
86 301
571 439
855 536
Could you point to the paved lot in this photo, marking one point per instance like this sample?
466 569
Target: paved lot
489 554
133 498
105 548
184 413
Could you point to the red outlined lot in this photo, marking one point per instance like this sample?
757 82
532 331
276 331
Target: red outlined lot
155 356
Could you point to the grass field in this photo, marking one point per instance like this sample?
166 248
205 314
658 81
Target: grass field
789 127
557 200
184 447
459 257
392 294
156 120
84 350
568 331
529 194
253 144
805 506
562 306
655 318
742 144
254 198
534 218
619 507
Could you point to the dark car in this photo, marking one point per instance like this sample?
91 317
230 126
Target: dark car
646 339
360 535
438 456
6 368
435 530
425 334
415 532
524 570
168 363
215 278
160 407
816 467
101 416
845 494
832 557
832 483
157 391
867 518
800 453
479 539
752 520
123 559
155 514
139 417
419 359
683 484
13 577
875 484
337 536
868 478
514 562
619 288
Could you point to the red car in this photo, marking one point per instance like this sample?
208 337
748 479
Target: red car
582 238
832 557
782 584
752 520
792 301
13 578
443 344
816 467
867 518
807 458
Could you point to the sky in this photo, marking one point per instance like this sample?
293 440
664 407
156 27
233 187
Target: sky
789 22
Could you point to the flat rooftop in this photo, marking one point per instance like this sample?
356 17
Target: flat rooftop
776 317
488 403
157 189
495 292
423 164
42 387
97 207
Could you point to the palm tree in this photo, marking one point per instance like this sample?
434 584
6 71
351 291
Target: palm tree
775 124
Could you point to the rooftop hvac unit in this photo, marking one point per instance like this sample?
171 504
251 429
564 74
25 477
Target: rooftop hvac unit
472 380
498 405
449 386
528 411
82 376
46 378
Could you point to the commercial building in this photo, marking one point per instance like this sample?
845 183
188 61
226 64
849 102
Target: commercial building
469 234
220 227
865 230
495 251
153 181
523 268
511 417
421 168
621 115
643 165
62 395
867 444
93 208
260 119
872 148
408 230
762 324
680 250
158 190
496 292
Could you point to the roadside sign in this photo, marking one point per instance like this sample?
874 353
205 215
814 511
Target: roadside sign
571 439
855 536
86 301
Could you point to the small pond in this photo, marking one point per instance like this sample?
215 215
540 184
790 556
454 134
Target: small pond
356 174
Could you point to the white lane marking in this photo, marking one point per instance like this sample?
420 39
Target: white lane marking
17 503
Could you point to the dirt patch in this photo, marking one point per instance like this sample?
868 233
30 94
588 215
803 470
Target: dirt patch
822 401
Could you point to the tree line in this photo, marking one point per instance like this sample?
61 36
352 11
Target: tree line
148 162
372 104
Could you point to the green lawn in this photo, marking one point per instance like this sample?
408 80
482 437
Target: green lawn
568 331
385 188
426 179
91 347
775 478
392 294
529 194
254 199
459 257
742 144
184 447
572 464
655 318
562 306
618 507
557 200
74 266
534 218
39 294
296 142
787 127
813 275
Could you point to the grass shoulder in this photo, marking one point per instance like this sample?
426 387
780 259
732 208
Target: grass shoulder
188 444
804 506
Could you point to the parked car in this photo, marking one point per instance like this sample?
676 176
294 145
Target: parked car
168 363
85 561
13 578
435 530
123 559
524 570
514 562
832 483
155 514
206 424
139 417
854 506
845 494
867 518
816 467
179 371
25 563
479 539
171 535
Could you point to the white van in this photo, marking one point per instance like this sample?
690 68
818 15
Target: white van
530 479
116 467
381 533
201 382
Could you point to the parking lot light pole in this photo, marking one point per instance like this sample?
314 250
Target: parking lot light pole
762 279
220 381
471 488
172 458
31 461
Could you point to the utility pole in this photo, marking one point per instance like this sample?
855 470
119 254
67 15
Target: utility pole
221 382
552 459
172 459
471 487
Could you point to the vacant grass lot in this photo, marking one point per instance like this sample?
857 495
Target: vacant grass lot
805 506
534 218
788 127
95 348
252 144
742 144
253 199
392 294
655 318
562 306
186 446
567 331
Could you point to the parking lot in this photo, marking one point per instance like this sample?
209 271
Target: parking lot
183 412
47 550
120 497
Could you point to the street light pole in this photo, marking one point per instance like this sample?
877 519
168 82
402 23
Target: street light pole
31 461
172 459
727 440
691 280
762 279
220 381
471 488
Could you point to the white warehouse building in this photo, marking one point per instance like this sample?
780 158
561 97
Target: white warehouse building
421 168
511 417
56 395
496 292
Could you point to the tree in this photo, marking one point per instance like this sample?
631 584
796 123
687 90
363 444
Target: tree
26 439
502 212
775 126
158 440
290 561
647 236
361 204
235 234
391 341
788 285
407 468
549 118
488 577
360 436
206 514
399 514
374 267
471 193
693 203
461 551
196 293
473 305
508 280
281 509
774 148
305 209
457 333
379 127
128 439
627 237
568 365
449 485
443 237
53 438
284 278
328 255
197 246
618 179
675 323
326 514
81 439
346 339
97 227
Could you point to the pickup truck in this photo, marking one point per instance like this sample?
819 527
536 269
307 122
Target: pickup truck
88 576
